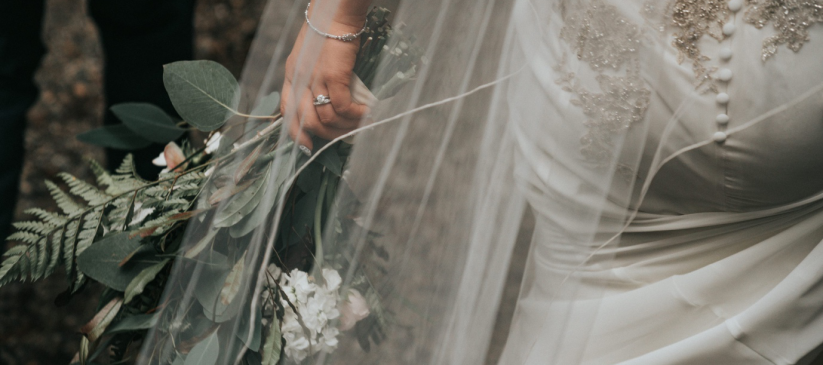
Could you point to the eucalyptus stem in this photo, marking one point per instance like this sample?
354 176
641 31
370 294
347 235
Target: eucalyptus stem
318 220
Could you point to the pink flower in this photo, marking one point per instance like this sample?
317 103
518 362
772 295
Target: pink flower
352 310
172 156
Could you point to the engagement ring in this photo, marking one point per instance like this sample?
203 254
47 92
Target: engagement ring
322 100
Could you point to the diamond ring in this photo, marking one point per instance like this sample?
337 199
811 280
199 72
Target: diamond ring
321 100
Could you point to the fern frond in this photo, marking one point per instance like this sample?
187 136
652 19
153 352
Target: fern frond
103 176
41 228
176 203
48 217
88 192
127 166
66 204
24 237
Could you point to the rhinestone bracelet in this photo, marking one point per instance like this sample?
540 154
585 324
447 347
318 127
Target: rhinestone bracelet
348 37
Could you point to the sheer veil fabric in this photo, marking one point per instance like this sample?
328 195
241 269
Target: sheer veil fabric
668 149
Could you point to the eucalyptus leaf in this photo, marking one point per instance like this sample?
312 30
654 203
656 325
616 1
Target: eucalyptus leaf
101 261
119 137
205 352
148 121
202 244
210 285
273 346
135 322
331 160
204 93
95 328
269 200
244 202
250 331
138 284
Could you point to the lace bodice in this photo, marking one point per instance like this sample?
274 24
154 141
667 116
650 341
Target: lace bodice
703 68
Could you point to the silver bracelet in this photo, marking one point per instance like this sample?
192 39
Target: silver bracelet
348 37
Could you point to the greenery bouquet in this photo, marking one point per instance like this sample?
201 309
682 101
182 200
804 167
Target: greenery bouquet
127 233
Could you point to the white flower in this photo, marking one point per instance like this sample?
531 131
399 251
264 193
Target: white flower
159 160
317 306
332 278
353 309
213 143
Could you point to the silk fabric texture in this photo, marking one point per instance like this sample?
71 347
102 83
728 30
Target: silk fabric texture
720 259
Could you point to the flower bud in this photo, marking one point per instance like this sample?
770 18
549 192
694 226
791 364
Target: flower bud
352 310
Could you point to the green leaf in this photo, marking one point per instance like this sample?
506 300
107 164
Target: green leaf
273 346
268 201
204 93
148 121
101 261
202 244
331 161
138 284
250 331
244 202
205 352
95 328
134 323
119 137
213 283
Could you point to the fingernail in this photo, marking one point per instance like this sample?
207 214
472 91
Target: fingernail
306 151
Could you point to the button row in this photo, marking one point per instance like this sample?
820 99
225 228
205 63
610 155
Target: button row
725 74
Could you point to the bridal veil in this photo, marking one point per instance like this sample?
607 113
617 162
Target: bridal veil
616 123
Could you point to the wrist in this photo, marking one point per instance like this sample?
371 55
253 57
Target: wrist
347 18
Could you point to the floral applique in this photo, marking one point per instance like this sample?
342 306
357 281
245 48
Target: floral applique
791 20
601 37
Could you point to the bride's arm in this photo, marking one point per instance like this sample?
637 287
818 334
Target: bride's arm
330 77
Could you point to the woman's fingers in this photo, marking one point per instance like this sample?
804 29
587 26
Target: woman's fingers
307 123
341 101
324 111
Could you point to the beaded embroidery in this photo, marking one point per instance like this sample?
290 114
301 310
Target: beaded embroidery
791 18
599 36
693 20
604 39
624 101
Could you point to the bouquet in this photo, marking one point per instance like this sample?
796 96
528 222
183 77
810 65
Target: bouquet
125 232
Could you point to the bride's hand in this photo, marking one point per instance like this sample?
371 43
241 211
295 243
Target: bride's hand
330 76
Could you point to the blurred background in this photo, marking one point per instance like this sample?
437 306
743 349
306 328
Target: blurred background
32 329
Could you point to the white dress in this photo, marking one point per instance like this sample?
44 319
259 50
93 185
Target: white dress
722 262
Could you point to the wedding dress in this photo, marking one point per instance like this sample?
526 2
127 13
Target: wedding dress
669 150
721 263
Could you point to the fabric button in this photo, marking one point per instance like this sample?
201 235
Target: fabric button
722 119
726 53
719 137
728 29
722 98
735 5
724 74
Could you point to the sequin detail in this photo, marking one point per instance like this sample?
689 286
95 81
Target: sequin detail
693 19
623 101
601 37
791 20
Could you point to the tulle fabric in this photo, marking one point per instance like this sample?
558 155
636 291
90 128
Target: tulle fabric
487 129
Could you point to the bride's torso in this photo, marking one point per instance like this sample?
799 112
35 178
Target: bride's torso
658 70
